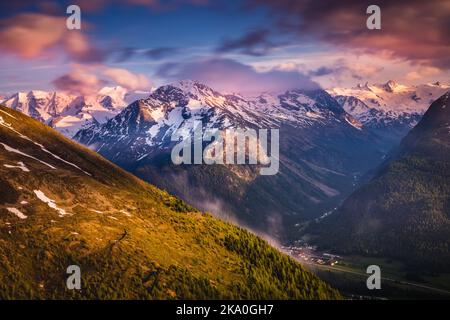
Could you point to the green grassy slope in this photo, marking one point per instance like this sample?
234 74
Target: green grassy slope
130 239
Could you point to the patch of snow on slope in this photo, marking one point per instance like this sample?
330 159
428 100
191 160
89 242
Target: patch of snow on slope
125 213
17 213
8 114
7 125
20 166
313 115
51 203
10 149
59 158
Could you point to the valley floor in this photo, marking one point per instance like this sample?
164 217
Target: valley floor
348 274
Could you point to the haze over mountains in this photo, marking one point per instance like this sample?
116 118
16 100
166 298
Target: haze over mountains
404 211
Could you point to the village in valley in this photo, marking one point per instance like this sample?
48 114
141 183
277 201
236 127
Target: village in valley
309 254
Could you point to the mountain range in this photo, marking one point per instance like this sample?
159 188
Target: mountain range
69 113
325 149
312 124
63 205
390 110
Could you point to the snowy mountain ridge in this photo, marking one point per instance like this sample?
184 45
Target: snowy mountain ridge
148 123
388 104
392 96
369 105
68 113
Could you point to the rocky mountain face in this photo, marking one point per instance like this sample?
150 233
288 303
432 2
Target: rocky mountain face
323 151
69 113
404 211
390 110
63 205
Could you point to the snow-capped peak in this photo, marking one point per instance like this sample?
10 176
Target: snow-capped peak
392 96
187 85
193 89
149 123
390 86
364 86
389 102
440 85
69 113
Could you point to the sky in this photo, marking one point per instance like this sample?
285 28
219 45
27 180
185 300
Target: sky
247 46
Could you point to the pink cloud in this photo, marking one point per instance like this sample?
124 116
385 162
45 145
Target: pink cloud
128 79
422 73
415 30
79 82
87 80
30 35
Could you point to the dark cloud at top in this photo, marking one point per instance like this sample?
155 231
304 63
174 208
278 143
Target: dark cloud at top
415 30
160 53
49 6
231 76
127 53
344 68
58 6
92 55
254 43
321 71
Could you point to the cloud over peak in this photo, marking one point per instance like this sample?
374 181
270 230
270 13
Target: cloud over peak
127 79
231 76
89 80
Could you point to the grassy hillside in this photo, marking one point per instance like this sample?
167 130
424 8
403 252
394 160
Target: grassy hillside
61 204
404 212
